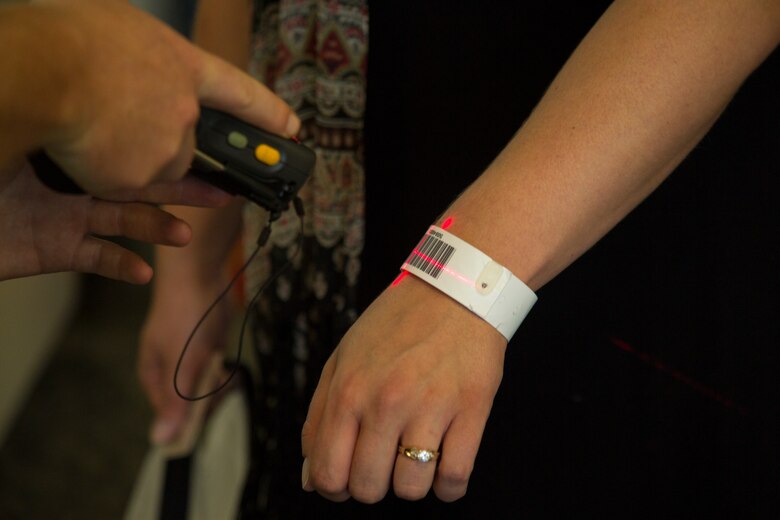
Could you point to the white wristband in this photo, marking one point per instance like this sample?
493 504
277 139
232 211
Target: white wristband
471 278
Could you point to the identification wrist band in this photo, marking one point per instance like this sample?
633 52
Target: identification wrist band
471 278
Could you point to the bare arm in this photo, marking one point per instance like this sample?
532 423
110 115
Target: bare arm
637 95
641 89
189 279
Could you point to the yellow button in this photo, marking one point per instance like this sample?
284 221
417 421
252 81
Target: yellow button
268 155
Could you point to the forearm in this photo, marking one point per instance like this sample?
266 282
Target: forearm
39 67
201 265
639 92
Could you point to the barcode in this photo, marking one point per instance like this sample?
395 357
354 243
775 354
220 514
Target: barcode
431 255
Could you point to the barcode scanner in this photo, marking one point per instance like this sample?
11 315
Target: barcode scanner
243 160
230 154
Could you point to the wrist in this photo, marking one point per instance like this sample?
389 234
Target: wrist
471 278
179 274
441 311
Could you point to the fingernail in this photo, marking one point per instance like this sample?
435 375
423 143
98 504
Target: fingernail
163 431
305 476
293 125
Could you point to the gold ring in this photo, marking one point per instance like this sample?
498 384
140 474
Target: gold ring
418 454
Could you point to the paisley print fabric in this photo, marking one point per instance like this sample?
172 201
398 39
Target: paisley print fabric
313 54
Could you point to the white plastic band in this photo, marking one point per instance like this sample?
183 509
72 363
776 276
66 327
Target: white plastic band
471 278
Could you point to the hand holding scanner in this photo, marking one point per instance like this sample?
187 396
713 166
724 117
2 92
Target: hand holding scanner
230 154
244 160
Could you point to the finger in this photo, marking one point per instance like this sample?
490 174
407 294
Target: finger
316 408
178 166
373 460
107 259
224 87
412 479
138 221
458 453
330 457
312 422
189 191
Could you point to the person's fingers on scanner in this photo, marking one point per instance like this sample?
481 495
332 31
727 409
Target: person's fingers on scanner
227 88
189 191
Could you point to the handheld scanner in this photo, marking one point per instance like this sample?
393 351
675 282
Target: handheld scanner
243 160
230 154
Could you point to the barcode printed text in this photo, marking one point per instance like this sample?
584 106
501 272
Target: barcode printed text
431 255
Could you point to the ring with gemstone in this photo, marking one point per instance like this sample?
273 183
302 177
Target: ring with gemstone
418 454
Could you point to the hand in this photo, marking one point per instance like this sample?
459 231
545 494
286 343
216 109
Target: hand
171 319
417 369
134 103
42 231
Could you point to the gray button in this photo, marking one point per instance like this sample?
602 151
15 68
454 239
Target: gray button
237 140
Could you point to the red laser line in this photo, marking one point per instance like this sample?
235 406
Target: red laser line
441 266
398 278
428 259
697 386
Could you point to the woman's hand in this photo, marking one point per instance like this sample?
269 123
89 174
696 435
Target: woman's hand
416 370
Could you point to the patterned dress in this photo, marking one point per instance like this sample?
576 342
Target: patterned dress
313 53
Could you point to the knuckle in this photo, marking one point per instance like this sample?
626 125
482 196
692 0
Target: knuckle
389 400
348 393
478 395
395 394
245 97
184 116
188 112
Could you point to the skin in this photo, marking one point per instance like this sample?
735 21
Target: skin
49 232
116 82
188 279
113 96
640 91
